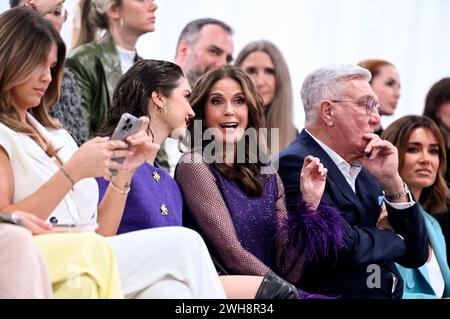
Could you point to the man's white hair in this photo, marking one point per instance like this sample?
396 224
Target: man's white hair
324 84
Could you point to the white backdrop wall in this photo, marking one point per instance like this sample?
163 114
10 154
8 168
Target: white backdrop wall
412 34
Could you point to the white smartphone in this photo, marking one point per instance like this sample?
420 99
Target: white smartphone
127 126
66 228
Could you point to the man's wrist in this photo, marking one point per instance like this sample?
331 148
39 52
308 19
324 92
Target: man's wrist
392 185
403 195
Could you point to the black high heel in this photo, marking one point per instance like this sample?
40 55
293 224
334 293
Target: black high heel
275 287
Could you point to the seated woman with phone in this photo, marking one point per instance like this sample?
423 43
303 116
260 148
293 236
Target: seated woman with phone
46 174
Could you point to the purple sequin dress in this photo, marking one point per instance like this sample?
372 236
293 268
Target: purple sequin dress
254 218
251 235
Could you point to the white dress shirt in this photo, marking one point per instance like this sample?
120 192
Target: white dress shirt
351 172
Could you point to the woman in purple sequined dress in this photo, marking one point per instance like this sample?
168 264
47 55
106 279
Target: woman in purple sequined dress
236 200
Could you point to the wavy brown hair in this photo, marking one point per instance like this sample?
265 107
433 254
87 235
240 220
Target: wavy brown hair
26 40
280 112
434 198
245 174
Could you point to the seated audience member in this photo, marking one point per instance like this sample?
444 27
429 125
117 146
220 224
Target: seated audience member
235 199
422 158
159 90
68 110
45 173
385 83
437 107
99 62
75 265
203 45
265 64
341 111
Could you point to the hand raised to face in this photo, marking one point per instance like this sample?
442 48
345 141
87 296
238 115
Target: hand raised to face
312 181
381 160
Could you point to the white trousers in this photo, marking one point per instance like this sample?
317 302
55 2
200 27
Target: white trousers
165 263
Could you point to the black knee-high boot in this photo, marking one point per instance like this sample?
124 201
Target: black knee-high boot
275 287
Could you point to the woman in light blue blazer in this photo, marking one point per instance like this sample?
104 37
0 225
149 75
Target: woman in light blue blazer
422 163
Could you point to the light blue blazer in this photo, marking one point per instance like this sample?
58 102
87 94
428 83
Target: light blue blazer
417 284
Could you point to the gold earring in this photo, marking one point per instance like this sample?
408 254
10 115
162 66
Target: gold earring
161 111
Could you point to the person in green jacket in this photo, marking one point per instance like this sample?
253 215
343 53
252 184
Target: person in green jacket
99 62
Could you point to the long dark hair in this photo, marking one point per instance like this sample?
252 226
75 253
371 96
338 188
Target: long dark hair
438 95
245 174
135 88
434 198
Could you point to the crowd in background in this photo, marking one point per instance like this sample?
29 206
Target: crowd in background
250 206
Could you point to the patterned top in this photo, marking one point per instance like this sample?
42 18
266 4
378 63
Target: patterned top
68 110
154 200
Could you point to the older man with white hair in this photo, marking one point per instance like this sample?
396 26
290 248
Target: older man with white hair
341 111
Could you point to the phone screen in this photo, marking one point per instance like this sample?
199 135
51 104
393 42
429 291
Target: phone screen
127 126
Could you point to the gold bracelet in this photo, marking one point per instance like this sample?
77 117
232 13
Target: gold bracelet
125 190
68 176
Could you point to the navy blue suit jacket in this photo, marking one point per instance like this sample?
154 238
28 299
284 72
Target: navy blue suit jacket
366 268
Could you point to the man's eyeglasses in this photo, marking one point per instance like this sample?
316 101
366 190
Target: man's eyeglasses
370 104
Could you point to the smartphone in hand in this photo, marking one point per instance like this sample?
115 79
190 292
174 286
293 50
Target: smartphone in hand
127 126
